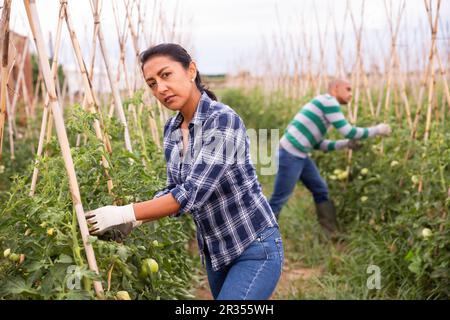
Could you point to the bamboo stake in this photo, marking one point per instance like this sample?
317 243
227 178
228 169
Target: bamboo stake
122 38
359 67
115 91
10 129
94 41
91 100
339 43
394 34
134 38
20 79
322 70
36 90
443 73
33 19
358 63
28 104
4 72
46 123
431 78
403 94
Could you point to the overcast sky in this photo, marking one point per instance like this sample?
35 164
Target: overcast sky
226 34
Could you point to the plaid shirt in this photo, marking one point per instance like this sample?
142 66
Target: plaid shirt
216 181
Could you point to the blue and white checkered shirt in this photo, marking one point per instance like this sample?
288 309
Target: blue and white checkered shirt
216 181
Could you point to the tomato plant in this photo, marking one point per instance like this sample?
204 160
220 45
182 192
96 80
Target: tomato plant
43 253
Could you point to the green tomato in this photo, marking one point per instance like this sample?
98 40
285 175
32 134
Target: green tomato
426 233
14 257
7 252
122 295
343 175
149 265
154 267
394 163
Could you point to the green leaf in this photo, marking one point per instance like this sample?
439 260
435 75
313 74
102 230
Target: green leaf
17 286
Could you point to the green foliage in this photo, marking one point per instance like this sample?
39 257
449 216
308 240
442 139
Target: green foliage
44 229
35 71
259 110
384 213
379 207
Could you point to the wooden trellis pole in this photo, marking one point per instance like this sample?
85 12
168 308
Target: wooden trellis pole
360 72
431 77
94 42
431 73
323 78
135 41
443 73
358 64
358 67
4 29
392 58
396 62
46 123
122 37
115 91
34 23
10 129
19 81
339 44
91 100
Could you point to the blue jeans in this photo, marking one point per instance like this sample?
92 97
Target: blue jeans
292 169
254 274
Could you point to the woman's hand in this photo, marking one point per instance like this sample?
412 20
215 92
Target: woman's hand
104 218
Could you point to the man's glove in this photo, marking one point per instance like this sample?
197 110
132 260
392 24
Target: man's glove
354 145
104 218
383 129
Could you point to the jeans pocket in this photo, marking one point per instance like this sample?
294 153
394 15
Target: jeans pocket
266 233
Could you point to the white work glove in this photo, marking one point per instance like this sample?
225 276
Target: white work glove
105 218
383 129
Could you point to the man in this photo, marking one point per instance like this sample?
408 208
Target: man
306 132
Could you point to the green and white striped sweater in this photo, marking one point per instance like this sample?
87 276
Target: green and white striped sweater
310 125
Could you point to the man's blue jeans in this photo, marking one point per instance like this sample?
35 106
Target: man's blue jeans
292 169
254 274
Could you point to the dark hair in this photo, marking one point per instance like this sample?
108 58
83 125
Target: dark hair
176 53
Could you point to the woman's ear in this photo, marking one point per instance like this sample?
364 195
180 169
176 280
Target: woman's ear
192 70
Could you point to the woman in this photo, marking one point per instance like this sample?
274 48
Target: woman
210 175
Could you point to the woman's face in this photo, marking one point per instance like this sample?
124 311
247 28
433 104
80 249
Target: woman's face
169 81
